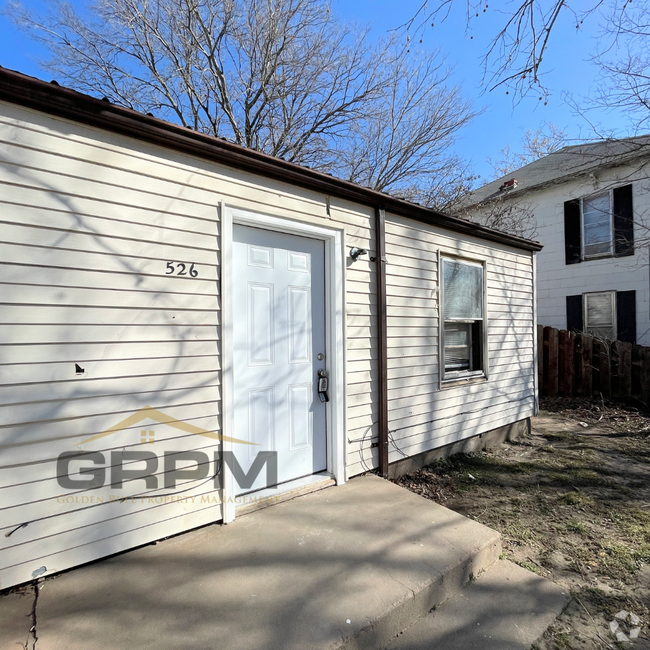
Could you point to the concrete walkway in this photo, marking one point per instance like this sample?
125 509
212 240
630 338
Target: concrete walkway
346 567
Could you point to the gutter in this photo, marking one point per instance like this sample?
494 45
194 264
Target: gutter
382 339
52 99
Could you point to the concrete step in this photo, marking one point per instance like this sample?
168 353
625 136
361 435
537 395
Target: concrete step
344 568
506 608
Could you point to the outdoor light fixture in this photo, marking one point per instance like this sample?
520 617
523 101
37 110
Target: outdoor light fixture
356 253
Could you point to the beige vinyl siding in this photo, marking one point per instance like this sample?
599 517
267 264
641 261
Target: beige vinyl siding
422 416
86 232
89 220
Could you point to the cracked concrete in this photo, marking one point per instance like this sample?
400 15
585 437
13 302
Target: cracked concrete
17 610
32 630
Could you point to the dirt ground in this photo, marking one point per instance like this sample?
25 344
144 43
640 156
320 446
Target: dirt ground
572 502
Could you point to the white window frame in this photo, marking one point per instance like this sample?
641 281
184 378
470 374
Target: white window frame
451 378
585 320
596 256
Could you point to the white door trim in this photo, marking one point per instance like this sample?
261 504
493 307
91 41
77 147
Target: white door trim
334 333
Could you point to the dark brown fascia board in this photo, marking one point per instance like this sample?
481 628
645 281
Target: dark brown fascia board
53 99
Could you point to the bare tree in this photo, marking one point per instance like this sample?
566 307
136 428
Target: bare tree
405 140
535 145
444 187
516 53
499 213
624 83
281 76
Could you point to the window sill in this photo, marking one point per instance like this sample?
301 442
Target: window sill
600 256
454 382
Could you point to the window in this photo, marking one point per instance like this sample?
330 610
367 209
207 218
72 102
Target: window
463 316
599 226
600 314
604 314
597 234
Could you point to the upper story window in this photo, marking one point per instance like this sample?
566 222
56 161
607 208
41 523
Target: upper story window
599 226
463 318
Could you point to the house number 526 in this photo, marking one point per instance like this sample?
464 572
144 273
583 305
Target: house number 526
181 269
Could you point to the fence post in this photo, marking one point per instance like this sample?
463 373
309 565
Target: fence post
552 360
637 367
583 359
602 384
577 362
540 360
615 366
566 372
545 361
605 370
624 369
645 376
596 364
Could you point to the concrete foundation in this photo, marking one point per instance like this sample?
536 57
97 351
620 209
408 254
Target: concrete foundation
492 438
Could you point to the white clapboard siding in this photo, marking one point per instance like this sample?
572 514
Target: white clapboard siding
45 469
89 221
88 224
422 416
84 390
21 374
119 534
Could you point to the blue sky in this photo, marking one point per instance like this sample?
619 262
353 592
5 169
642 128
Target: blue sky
501 123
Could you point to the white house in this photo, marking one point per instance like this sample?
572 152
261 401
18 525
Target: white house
174 305
590 206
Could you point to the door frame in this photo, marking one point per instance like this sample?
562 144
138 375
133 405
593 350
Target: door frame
334 334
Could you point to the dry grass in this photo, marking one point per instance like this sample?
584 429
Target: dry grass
572 504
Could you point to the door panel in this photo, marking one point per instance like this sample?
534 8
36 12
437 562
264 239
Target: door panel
261 342
300 326
278 333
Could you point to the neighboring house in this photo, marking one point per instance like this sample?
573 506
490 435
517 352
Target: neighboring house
162 288
590 206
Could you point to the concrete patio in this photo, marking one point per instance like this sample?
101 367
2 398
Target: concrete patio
345 567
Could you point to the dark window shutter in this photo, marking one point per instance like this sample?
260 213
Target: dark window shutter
572 234
626 316
623 222
574 313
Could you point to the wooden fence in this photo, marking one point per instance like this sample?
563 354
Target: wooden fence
583 366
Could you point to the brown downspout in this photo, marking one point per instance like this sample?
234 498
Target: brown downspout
382 339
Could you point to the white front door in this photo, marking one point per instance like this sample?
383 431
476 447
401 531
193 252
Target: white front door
278 337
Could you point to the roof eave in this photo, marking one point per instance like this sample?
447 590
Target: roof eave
63 102
557 181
